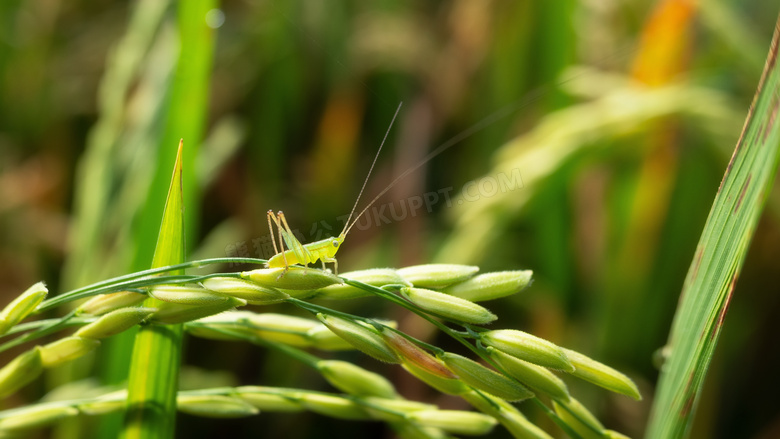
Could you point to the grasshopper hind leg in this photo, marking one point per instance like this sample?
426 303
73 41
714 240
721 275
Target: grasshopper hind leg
302 254
273 219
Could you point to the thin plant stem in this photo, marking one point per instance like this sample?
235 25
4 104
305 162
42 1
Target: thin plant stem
75 294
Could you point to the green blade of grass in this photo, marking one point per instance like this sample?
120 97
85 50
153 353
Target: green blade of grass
719 257
154 367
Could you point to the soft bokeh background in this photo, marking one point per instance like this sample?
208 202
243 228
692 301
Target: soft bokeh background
604 128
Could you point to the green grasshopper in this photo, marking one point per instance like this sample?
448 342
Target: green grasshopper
323 250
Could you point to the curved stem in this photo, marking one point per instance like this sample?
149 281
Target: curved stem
40 332
75 321
126 285
47 304
44 327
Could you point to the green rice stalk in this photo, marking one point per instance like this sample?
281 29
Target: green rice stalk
154 367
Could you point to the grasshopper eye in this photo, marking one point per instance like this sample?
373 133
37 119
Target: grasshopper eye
335 243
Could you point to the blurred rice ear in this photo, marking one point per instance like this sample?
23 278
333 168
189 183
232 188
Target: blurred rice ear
449 307
558 137
437 275
325 339
450 386
489 286
425 366
528 347
22 306
579 418
253 293
270 399
377 277
186 295
217 332
536 377
108 403
410 353
410 430
333 406
20 371
395 409
612 434
26 419
173 313
115 322
354 380
66 349
454 421
282 328
104 303
362 338
215 406
507 414
292 278
602 375
487 380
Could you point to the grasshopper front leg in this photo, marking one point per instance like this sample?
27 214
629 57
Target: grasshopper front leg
335 264
297 253
302 254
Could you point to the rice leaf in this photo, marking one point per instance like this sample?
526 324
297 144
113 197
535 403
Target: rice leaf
713 273
154 368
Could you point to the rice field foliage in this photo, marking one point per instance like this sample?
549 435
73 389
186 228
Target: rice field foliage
590 141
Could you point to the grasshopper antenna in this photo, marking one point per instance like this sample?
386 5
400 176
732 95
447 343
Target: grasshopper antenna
499 114
468 132
347 226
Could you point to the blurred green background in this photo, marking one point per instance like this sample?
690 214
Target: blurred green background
601 130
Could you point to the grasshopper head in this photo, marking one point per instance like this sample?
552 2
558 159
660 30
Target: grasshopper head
335 243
